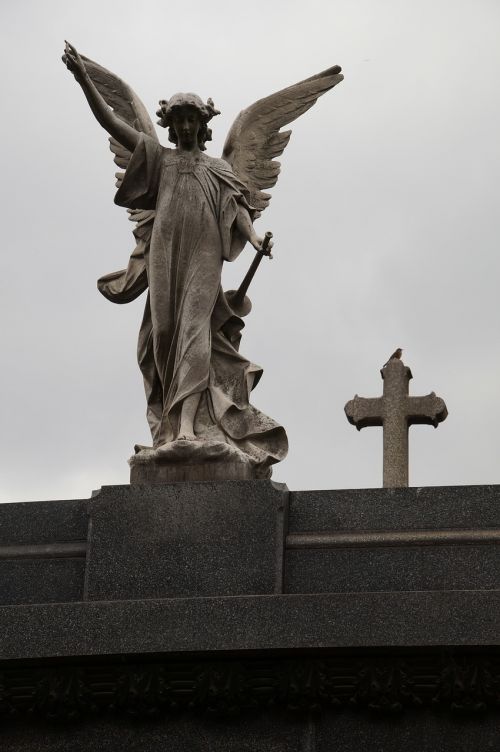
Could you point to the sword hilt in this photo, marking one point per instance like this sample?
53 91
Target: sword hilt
238 299
265 243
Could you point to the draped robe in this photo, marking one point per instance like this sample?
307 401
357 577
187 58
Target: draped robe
189 337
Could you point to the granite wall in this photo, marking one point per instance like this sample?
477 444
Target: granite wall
242 616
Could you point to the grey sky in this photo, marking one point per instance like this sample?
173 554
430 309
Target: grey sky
385 218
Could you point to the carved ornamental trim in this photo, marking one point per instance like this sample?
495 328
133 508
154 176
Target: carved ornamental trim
464 682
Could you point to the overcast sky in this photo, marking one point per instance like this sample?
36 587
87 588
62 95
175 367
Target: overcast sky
386 221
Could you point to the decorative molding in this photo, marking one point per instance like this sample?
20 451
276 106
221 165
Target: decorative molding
458 681
60 550
381 538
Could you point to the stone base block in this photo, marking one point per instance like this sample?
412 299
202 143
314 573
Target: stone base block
161 472
186 540
184 460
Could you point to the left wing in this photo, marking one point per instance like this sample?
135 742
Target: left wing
126 105
127 284
255 139
121 98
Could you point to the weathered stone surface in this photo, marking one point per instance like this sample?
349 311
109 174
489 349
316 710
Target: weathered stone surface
193 461
196 539
415 732
247 623
268 733
186 539
446 679
393 568
271 732
43 521
400 539
42 551
51 580
432 507
396 411
160 472
194 212
193 572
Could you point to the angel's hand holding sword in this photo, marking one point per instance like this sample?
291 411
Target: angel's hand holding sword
246 228
238 299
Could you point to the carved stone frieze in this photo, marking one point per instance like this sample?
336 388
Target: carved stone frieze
384 682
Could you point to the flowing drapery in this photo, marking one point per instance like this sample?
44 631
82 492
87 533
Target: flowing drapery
189 337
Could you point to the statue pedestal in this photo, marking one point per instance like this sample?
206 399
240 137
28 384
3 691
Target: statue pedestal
184 460
161 472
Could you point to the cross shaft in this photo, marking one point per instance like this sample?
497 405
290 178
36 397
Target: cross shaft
395 411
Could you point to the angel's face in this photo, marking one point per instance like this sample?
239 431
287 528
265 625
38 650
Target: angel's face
186 124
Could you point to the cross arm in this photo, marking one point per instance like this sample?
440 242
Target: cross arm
365 411
429 410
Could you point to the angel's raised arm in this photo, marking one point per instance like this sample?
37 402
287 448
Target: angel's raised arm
115 126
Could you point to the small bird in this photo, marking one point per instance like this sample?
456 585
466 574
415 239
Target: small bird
396 355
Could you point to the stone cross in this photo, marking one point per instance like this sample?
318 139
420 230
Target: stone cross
396 411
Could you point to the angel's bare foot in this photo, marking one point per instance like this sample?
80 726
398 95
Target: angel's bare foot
186 436
189 408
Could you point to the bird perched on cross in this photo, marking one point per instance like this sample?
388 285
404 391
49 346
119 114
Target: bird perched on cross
396 355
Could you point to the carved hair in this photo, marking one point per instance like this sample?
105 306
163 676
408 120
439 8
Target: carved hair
205 112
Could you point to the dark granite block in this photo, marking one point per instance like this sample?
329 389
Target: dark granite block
411 732
266 622
449 507
344 570
41 581
267 732
186 539
43 522
263 733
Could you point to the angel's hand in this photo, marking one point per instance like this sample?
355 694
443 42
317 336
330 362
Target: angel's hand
258 243
104 109
74 62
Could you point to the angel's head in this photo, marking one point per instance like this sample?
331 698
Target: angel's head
186 117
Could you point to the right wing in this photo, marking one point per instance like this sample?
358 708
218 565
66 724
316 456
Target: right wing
255 137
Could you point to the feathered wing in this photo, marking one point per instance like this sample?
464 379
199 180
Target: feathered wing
125 285
255 138
124 102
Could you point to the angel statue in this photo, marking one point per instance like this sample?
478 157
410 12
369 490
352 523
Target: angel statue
192 213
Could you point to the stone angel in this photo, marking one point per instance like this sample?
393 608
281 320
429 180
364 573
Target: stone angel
192 212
